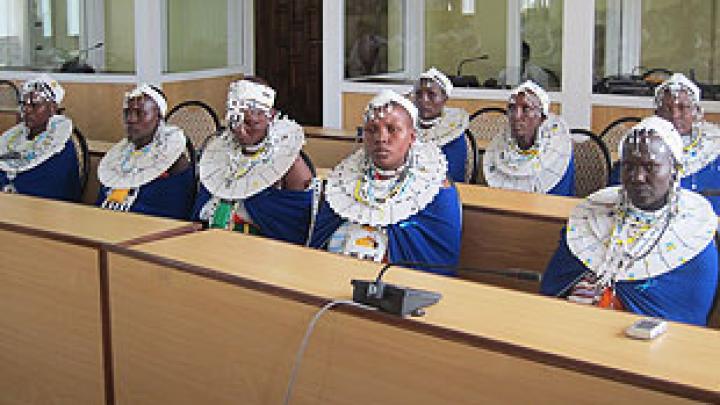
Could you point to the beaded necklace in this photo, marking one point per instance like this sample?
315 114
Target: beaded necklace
367 185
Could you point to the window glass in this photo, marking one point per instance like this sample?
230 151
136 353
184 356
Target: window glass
374 38
53 35
197 35
671 36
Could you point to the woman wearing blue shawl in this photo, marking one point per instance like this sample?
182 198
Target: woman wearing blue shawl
441 125
678 101
148 172
37 156
252 176
534 154
646 246
390 201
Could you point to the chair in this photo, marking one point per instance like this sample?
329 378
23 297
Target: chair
614 132
592 162
83 157
197 119
485 123
9 99
472 161
306 158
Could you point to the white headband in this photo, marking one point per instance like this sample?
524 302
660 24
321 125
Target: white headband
146 89
439 78
245 94
48 87
536 90
386 97
662 128
675 83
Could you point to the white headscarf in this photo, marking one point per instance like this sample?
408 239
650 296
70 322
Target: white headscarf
664 129
439 78
244 94
386 97
532 87
146 89
675 83
45 85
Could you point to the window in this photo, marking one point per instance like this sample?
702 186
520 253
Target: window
67 35
197 35
639 43
374 38
493 43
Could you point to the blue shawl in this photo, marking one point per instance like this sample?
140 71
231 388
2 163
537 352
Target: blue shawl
169 197
684 294
456 155
431 236
566 185
57 178
280 214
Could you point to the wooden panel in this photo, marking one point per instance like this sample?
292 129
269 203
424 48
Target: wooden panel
505 229
96 108
328 152
87 223
602 116
167 349
50 345
212 91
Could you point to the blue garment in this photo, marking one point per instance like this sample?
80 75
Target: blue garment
456 155
57 178
170 197
431 236
280 214
708 178
566 185
684 294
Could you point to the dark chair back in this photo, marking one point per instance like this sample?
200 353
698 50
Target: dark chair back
485 123
197 119
472 161
83 157
614 132
592 162
306 158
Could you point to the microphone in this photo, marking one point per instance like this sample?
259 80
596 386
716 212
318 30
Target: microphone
404 301
466 60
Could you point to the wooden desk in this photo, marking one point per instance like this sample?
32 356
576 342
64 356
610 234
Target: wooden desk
51 345
215 317
509 229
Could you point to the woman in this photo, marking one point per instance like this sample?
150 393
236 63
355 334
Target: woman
646 246
390 201
441 125
252 176
535 153
147 172
37 156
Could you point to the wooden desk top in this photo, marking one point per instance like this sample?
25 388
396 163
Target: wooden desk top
89 224
684 361
516 202
99 147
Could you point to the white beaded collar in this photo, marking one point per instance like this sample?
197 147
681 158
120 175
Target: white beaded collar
229 173
703 148
124 167
355 195
537 170
597 237
452 123
20 154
